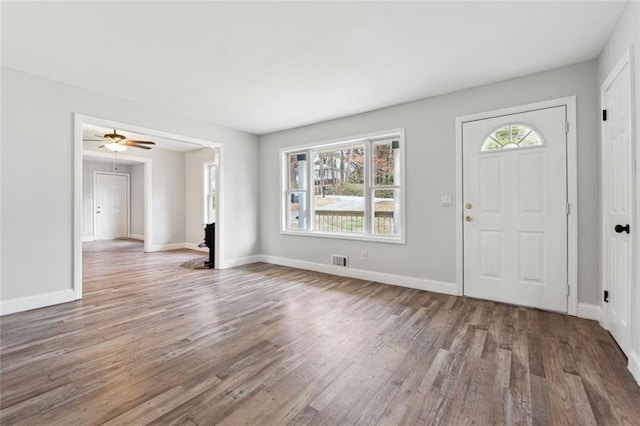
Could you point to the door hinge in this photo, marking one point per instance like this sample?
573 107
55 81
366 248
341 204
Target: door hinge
604 115
568 209
606 296
568 290
566 127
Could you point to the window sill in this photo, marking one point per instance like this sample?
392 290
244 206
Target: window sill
340 236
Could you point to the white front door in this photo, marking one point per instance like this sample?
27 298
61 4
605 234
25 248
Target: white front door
617 199
111 214
515 211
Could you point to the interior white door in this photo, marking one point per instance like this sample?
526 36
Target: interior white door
617 199
515 212
111 192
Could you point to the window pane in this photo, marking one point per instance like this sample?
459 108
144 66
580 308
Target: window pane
210 194
211 169
297 171
296 216
339 189
385 154
211 208
512 136
386 212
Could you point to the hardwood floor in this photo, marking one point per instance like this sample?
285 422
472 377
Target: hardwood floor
156 342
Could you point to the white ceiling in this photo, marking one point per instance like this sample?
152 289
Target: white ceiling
265 66
90 131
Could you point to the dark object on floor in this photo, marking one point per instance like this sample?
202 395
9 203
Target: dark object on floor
209 241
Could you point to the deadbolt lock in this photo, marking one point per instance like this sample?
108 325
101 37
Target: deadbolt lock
468 206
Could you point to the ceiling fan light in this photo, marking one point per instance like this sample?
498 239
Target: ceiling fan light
115 147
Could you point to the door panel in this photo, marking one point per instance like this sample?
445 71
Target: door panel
491 243
531 257
617 200
515 195
491 185
531 193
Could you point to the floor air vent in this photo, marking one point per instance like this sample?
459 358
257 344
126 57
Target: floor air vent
339 260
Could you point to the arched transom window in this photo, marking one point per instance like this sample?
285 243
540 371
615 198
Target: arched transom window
512 136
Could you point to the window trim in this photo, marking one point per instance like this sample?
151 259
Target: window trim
370 187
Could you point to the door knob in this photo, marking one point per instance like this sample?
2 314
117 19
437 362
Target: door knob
620 229
468 218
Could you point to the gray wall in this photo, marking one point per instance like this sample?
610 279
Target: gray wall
37 134
194 190
430 252
627 35
137 199
88 167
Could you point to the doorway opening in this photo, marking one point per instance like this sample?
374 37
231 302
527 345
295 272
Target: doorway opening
165 206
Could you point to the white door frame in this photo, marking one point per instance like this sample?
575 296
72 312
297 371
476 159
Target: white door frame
95 214
79 121
626 59
572 190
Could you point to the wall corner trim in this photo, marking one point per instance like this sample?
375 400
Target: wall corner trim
381 277
588 311
634 366
230 263
27 303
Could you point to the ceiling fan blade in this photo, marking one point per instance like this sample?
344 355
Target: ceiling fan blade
99 136
138 146
143 142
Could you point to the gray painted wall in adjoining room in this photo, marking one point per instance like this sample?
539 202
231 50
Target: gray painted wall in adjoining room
167 193
430 251
137 199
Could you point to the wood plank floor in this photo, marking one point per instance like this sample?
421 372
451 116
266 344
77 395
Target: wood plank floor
153 342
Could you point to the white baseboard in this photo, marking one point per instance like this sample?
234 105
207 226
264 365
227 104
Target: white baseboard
230 263
166 247
634 366
195 247
87 239
136 237
381 277
20 304
592 312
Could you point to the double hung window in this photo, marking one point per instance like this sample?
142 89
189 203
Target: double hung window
347 189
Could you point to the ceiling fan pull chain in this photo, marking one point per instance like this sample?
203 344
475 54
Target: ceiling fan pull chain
115 161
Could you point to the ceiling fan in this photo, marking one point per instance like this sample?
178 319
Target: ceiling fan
117 143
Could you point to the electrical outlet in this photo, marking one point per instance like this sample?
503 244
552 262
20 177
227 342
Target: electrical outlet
445 200
364 255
